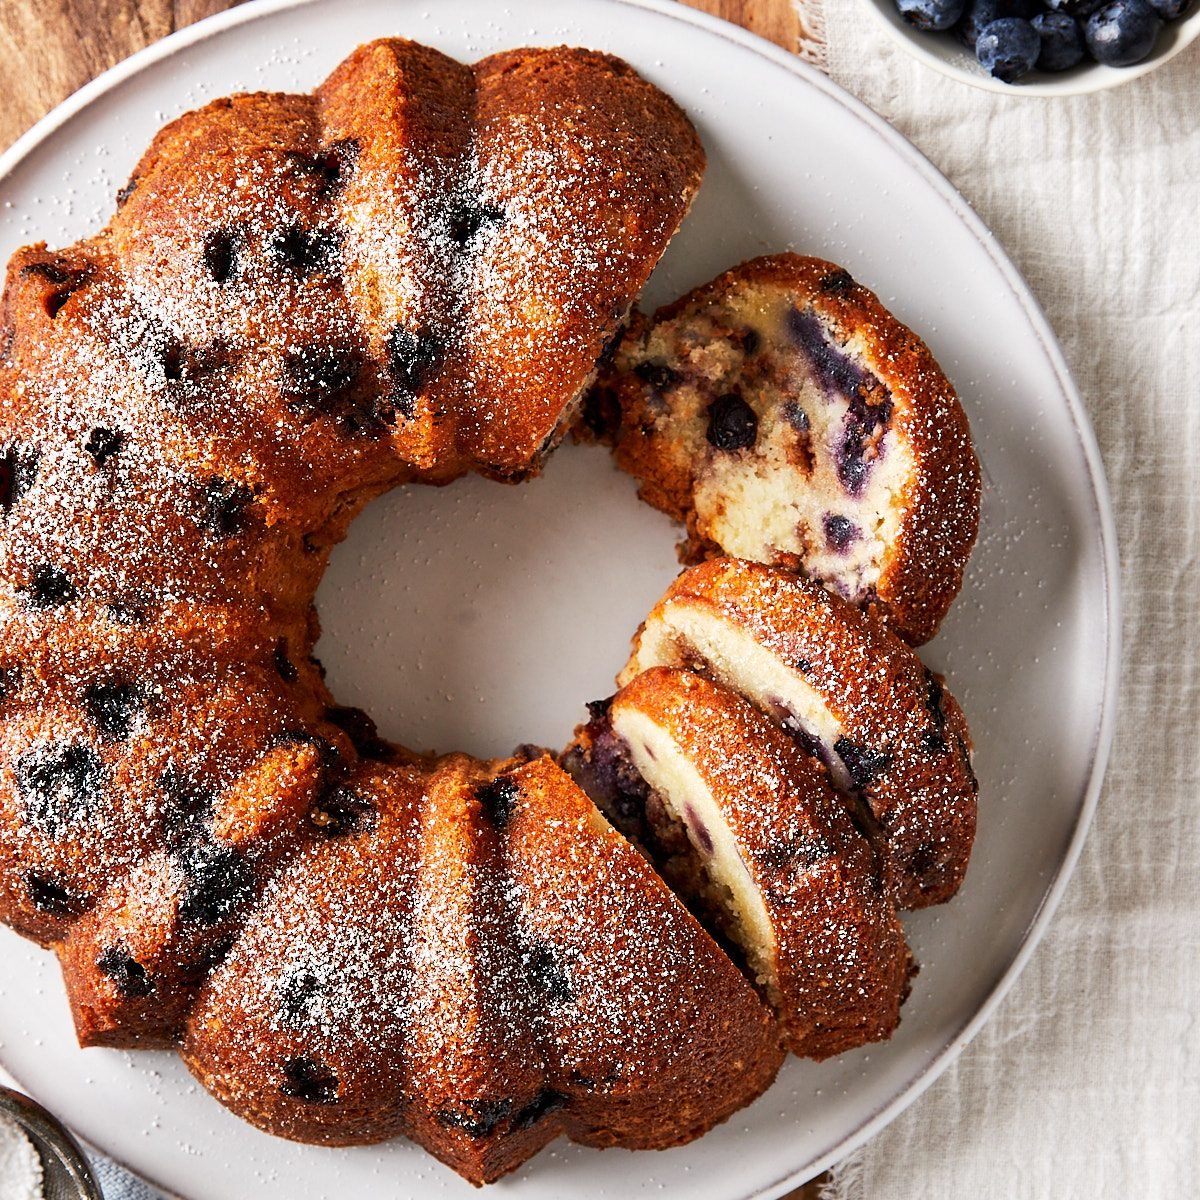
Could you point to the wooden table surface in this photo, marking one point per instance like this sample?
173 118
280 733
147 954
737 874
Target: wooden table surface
51 48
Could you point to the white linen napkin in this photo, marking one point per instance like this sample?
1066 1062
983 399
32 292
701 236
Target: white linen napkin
1086 1082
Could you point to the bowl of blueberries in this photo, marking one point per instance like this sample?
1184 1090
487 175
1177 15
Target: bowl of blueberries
1042 47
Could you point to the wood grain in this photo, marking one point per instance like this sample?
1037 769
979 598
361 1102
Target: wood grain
51 48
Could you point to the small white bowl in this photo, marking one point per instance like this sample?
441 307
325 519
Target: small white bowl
945 53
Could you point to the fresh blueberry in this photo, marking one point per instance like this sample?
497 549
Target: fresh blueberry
1074 8
983 12
1008 48
1062 41
1170 10
732 423
931 14
1122 33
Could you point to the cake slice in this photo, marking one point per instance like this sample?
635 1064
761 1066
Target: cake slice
784 415
652 1035
745 825
892 737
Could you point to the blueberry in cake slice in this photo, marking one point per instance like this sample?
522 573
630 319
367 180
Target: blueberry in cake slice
744 824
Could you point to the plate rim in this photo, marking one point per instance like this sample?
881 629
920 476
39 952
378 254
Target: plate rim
1103 524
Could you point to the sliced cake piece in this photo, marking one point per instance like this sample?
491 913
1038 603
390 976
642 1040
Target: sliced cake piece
745 824
652 1035
893 739
787 417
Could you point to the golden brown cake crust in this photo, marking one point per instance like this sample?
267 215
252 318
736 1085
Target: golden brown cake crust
939 509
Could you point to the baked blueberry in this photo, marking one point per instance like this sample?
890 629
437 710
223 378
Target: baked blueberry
103 443
411 356
499 798
223 507
59 785
799 852
18 471
1122 33
840 532
837 281
546 974
10 682
53 898
658 375
1008 48
50 588
467 219
132 980
480 1119
732 423
186 810
283 664
296 994
341 812
864 764
320 380
113 707
834 371
305 251
221 253
126 190
332 165
217 882
361 731
308 1080
541 1106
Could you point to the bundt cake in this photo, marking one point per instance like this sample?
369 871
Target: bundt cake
743 822
301 302
850 692
786 416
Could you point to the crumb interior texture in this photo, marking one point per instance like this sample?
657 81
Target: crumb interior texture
784 416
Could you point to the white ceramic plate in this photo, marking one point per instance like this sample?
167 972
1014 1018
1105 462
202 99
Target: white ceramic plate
478 616
945 53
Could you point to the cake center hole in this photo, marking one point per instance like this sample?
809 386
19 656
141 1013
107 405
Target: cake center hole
479 616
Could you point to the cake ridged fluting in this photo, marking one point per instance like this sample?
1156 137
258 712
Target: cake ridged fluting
302 302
